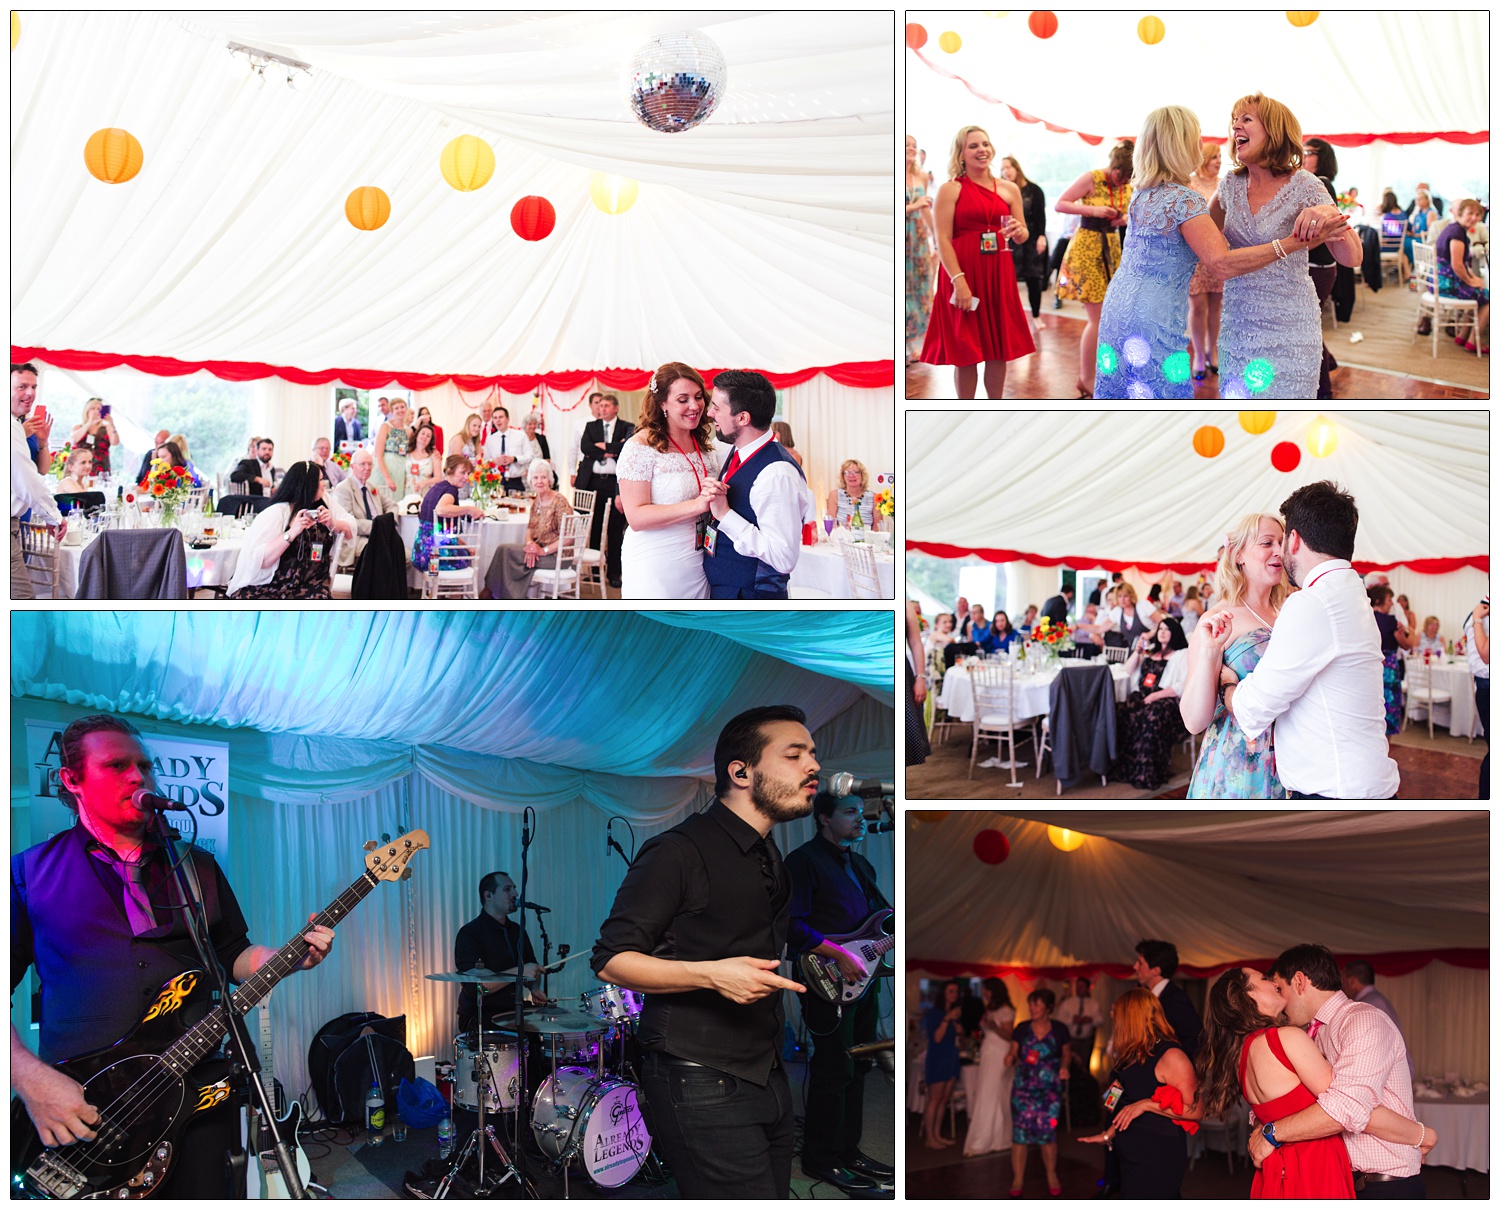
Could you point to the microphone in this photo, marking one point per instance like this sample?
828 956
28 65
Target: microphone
535 907
145 800
883 825
841 785
609 836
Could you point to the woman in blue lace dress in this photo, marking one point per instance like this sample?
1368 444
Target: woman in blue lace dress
1252 587
1143 347
1271 335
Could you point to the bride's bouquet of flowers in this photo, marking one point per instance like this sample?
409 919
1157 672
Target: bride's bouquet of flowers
485 482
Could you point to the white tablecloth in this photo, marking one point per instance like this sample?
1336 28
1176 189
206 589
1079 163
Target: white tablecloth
205 568
821 568
1032 692
492 535
1463 1126
1453 678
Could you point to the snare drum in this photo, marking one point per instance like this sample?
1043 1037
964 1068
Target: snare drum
593 1119
502 1075
613 1004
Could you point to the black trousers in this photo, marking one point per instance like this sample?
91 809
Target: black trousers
1406 1187
835 1113
607 487
723 1137
1482 705
1035 288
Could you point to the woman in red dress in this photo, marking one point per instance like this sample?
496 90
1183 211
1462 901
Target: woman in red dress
977 214
1279 1071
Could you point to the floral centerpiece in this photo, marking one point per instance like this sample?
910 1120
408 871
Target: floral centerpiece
168 485
341 460
485 482
1051 638
885 507
60 459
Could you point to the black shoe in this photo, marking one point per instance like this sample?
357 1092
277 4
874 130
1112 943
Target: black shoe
614 582
850 1183
863 1165
1056 303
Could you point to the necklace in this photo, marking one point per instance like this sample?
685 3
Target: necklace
1261 620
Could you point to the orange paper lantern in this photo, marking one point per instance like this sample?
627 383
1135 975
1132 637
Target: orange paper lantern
1302 18
1208 442
367 208
1150 30
1256 423
916 36
113 155
1043 23
532 218
949 42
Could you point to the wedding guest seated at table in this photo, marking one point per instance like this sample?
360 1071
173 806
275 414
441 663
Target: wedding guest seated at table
1149 721
515 563
470 442
1431 643
78 473
161 436
441 500
424 416
853 494
288 552
322 457
961 618
1087 639
1002 633
181 442
424 463
1457 278
1029 620
364 500
171 453
255 475
940 633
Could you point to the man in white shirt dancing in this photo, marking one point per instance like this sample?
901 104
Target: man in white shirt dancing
1320 678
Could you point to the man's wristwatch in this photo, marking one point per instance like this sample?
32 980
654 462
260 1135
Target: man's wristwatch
1268 1132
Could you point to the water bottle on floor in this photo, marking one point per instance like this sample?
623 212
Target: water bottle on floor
375 1115
445 1138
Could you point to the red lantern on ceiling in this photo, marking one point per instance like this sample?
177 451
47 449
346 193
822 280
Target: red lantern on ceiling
532 218
991 847
1285 457
916 36
1043 23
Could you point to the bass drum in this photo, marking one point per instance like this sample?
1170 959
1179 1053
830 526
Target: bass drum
501 1075
595 1120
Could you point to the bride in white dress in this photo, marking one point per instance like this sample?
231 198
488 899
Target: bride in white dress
989 1116
662 472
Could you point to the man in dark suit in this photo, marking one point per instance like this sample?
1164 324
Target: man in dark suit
602 441
346 427
256 476
1056 608
1155 964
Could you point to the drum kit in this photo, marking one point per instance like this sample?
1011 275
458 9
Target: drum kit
584 1113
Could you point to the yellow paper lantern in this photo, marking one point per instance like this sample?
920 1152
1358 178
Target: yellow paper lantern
1322 438
1256 423
1302 18
15 28
468 163
997 12
113 155
367 208
1208 441
950 42
1150 30
613 194
1064 839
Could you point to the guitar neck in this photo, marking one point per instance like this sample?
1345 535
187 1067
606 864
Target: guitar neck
204 1036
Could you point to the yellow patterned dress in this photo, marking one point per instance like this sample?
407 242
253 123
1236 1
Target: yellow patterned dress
1085 273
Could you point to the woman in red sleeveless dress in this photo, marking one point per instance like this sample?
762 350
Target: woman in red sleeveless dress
977 214
1279 1071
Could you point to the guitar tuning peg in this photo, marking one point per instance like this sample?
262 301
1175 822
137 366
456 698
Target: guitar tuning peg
370 846
385 838
406 874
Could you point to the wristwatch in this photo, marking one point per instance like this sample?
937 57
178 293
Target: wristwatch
1268 1132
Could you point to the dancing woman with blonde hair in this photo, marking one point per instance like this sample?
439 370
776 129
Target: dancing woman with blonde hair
1251 587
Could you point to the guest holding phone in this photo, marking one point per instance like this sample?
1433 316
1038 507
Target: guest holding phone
288 553
97 433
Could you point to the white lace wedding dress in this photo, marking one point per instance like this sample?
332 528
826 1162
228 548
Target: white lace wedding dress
661 563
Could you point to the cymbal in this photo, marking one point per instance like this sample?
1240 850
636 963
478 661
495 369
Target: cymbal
871 1048
551 1020
477 975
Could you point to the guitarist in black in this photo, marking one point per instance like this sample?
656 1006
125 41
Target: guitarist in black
834 892
91 910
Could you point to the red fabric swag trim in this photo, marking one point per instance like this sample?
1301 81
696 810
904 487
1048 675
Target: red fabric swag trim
1397 962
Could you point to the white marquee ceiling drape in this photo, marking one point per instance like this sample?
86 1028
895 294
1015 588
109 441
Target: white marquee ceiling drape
761 238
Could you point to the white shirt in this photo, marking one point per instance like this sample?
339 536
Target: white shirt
782 505
606 466
1477 666
1156 990
1072 1008
27 488
509 443
1320 682
1367 1054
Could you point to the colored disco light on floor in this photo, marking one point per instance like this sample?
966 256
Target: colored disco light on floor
1109 360
1259 375
1137 351
1177 367
1139 390
1234 390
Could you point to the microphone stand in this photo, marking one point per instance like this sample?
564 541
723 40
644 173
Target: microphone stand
523 1109
541 923
242 1053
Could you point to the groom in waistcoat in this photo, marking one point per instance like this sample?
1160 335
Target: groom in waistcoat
760 501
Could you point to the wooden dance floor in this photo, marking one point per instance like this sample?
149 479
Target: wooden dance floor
1052 371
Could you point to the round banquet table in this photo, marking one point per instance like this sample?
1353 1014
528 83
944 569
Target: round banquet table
205 568
1032 692
821 568
492 536
1463 1127
1453 677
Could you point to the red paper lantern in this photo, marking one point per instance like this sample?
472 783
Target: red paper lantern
532 218
991 847
1285 457
1043 23
916 36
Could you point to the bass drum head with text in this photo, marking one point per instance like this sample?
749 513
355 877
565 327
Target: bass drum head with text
593 1119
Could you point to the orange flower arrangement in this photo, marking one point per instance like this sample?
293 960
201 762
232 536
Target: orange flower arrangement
167 483
1050 634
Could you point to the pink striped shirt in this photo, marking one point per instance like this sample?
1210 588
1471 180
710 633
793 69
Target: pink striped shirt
1369 1069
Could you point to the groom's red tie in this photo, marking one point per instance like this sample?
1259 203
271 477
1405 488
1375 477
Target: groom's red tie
734 464
1312 1030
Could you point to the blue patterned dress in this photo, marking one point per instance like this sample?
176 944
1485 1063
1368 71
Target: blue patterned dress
1271 335
1036 1095
1226 768
1142 328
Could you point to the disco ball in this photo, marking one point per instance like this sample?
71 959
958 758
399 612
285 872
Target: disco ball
676 80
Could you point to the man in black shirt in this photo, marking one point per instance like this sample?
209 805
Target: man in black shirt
699 925
88 911
492 940
834 891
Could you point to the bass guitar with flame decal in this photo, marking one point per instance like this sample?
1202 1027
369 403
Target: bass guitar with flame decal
139 1085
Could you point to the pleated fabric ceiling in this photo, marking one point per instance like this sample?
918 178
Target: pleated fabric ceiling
761 238
1225 887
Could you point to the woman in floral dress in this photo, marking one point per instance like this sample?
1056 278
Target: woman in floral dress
920 236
